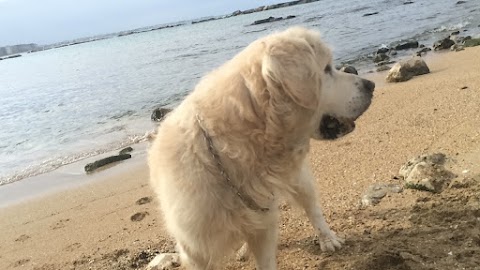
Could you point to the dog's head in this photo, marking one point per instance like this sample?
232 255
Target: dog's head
297 65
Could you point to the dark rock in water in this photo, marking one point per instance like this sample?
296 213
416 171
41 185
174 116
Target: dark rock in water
424 50
383 50
421 46
472 42
159 114
349 69
407 45
405 70
380 57
369 14
461 2
408 3
443 44
393 52
125 150
455 33
90 167
272 19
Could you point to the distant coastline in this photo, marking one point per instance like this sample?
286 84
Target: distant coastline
30 48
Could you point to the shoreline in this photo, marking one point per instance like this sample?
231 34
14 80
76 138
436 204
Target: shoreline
73 175
114 222
68 177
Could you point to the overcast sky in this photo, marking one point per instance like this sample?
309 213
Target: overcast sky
48 21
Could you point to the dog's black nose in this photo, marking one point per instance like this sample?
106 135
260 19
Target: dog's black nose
368 86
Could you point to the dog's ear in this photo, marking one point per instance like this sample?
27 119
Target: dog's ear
289 63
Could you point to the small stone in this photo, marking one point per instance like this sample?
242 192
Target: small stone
125 150
349 69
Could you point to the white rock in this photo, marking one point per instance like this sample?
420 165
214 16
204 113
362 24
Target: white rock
405 70
164 261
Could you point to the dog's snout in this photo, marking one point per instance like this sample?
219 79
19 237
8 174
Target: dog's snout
368 85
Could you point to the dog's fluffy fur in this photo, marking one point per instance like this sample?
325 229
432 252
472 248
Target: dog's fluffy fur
261 109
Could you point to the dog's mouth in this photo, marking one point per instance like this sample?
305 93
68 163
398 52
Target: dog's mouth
332 127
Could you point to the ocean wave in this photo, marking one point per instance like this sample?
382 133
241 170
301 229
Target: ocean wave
453 27
54 163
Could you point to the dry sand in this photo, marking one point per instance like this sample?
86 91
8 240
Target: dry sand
102 225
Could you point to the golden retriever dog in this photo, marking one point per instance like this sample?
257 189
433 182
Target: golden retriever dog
225 157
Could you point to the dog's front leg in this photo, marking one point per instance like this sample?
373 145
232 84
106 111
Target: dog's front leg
307 198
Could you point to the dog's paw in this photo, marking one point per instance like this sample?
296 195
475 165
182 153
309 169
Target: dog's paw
330 242
243 253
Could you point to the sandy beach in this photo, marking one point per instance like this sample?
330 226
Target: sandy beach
113 222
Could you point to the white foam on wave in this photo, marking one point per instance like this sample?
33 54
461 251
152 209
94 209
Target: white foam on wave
52 164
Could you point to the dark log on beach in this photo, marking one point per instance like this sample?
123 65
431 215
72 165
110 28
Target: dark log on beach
407 45
90 167
159 113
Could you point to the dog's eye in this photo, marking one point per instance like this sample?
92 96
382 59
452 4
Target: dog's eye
328 69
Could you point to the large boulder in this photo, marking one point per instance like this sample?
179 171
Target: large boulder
159 114
406 69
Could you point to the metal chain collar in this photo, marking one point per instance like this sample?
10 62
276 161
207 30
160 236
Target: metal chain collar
247 200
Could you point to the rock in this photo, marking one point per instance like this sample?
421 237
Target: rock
383 63
104 161
349 69
393 52
164 261
380 57
461 2
125 150
376 192
443 44
159 114
408 3
424 50
454 33
383 50
457 48
407 45
426 172
383 68
472 42
406 69
369 14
